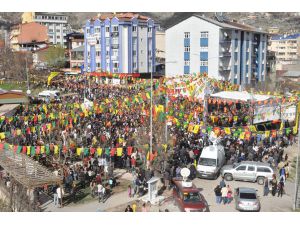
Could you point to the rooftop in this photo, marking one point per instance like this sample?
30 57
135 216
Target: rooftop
32 32
122 16
229 24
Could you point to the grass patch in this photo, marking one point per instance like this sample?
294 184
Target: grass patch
12 86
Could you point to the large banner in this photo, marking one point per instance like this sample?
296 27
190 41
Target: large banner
266 113
288 112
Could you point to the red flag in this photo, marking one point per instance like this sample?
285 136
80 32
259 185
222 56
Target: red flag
24 150
129 150
113 151
38 150
92 151
1 146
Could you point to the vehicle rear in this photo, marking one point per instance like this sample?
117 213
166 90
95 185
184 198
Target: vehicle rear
247 200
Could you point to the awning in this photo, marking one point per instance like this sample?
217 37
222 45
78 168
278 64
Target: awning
240 95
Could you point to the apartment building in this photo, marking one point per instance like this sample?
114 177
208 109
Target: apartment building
221 48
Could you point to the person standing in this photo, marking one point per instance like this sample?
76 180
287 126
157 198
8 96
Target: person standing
224 192
222 183
229 194
266 186
134 207
274 185
218 194
60 194
55 196
128 209
280 187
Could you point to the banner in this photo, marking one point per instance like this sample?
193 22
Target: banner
288 112
266 113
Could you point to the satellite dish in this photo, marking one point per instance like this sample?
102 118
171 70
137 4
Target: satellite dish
185 172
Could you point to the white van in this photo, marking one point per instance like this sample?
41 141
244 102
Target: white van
211 160
50 95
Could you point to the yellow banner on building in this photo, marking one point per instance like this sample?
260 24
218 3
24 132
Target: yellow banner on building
51 76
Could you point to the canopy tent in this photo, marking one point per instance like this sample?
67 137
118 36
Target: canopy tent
241 96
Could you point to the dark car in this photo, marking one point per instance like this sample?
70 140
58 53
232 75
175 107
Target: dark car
188 197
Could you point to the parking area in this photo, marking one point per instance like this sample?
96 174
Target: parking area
268 203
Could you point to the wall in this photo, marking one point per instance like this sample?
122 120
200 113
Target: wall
142 49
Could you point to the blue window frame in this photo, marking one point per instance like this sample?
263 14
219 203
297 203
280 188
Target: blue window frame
203 42
204 56
235 69
186 42
236 43
203 69
186 70
186 56
235 56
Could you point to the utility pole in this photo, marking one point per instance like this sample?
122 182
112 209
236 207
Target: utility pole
297 168
151 112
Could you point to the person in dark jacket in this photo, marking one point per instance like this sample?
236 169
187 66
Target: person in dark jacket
128 209
218 194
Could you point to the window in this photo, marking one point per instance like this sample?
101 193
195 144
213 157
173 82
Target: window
187 49
142 51
98 65
203 69
97 30
141 39
235 69
186 62
87 30
50 30
57 30
64 31
134 64
241 168
106 29
142 63
204 56
149 29
115 28
149 52
263 169
97 41
58 37
186 69
134 28
251 168
134 52
97 53
116 65
88 53
107 52
204 34
187 35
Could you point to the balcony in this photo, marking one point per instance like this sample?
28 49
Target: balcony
225 54
115 57
114 46
225 41
115 34
225 68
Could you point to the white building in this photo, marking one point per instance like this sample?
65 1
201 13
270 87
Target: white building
223 49
57 24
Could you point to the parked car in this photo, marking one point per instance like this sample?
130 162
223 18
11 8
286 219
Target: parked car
248 171
246 199
188 197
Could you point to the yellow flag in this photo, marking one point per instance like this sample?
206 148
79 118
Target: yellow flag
295 130
242 135
42 149
267 133
99 151
227 130
165 146
119 151
55 149
2 135
51 76
281 126
78 151
253 128
196 129
28 150
190 128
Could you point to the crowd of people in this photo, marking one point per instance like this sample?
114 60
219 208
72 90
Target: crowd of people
116 122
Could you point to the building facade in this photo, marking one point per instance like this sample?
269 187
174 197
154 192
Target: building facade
57 24
286 48
28 37
223 49
120 43
75 50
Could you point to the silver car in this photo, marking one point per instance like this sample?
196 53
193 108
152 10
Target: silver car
246 199
248 171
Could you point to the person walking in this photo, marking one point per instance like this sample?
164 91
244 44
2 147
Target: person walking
222 183
60 194
280 187
274 185
266 186
229 194
55 196
218 194
224 192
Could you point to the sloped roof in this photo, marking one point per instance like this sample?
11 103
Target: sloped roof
32 32
123 16
227 24
285 37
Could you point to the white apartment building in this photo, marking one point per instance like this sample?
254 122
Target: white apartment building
223 49
286 48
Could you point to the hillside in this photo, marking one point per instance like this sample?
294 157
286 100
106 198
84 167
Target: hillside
287 22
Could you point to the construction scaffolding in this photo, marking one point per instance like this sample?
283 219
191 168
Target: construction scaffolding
26 172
